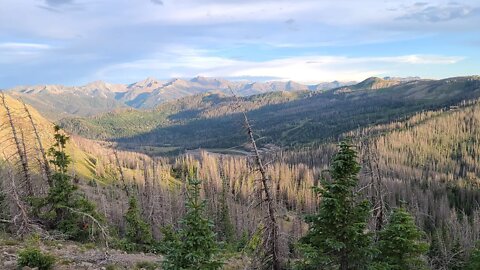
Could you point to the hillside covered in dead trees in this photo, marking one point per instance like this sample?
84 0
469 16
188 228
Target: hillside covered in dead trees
298 180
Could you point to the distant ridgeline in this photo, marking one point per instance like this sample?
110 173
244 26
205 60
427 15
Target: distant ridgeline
55 101
211 120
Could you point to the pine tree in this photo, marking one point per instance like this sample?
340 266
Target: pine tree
337 237
193 246
137 231
400 243
64 208
225 226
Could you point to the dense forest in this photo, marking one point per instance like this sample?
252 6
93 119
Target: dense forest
363 169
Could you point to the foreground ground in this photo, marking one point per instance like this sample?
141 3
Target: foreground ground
71 255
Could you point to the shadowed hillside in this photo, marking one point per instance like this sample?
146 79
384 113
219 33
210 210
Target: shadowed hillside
58 101
284 119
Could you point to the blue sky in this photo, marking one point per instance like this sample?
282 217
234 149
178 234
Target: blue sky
121 41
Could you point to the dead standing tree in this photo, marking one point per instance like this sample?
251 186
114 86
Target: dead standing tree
20 221
122 176
44 164
377 192
270 242
20 149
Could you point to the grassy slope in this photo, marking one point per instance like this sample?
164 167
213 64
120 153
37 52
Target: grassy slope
84 161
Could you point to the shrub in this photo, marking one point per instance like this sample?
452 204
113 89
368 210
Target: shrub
33 257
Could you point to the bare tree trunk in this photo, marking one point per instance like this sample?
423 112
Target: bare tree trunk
20 150
151 195
122 177
376 189
271 235
20 220
146 202
380 214
45 163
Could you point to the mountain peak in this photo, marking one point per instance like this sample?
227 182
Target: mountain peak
147 82
177 81
97 84
208 80
374 83
200 79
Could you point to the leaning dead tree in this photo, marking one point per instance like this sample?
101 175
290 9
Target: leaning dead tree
44 163
270 242
20 149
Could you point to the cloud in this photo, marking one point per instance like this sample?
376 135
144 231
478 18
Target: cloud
423 12
14 52
157 2
56 3
308 69
58 6
24 46
215 12
420 4
232 37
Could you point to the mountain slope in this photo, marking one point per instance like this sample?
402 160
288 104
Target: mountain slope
56 101
302 119
89 158
131 122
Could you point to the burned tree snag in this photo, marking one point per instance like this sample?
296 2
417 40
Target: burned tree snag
20 150
45 163
376 189
122 177
270 240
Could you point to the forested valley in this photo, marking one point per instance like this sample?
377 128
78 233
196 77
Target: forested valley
358 177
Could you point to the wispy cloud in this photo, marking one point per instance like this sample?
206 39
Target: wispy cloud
157 2
423 12
56 3
24 46
14 52
58 6
308 69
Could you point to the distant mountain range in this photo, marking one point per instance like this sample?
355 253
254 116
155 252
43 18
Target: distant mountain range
58 101
212 120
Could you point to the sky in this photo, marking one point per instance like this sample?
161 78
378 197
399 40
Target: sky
74 42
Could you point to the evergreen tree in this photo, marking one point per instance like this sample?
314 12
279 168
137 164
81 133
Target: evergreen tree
337 237
64 208
193 246
400 243
137 231
225 226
